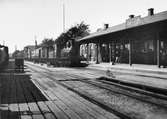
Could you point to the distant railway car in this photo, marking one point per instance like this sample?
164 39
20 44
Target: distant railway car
4 56
19 61
19 64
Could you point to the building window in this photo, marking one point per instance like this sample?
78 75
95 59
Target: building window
127 46
144 46
148 46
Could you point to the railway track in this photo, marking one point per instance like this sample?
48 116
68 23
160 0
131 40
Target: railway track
91 99
107 84
129 90
143 89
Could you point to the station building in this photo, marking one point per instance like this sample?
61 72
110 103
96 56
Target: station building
139 40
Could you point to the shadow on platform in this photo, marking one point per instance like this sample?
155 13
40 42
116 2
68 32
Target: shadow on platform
7 114
18 88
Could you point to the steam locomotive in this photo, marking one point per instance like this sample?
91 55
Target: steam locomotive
4 56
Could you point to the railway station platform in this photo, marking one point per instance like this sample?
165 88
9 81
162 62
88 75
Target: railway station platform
29 95
149 75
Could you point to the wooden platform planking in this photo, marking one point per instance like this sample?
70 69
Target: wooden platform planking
31 94
39 82
17 96
13 99
4 111
19 92
14 104
57 111
94 107
85 114
4 107
14 111
29 97
66 109
84 109
49 116
46 111
91 105
25 117
66 104
36 113
87 110
22 101
4 89
0 95
37 116
59 104
35 92
8 91
5 98
76 109
105 113
60 113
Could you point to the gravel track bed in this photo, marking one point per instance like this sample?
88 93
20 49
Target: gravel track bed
142 96
134 108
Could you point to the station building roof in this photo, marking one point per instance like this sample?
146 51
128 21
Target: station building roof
130 23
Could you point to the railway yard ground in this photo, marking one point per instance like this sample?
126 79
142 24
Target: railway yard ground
98 91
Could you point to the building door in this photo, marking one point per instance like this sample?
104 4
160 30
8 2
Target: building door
163 52
112 51
143 51
105 52
163 48
40 53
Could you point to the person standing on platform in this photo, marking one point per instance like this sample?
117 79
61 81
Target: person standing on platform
117 55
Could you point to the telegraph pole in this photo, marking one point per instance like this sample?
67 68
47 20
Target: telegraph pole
63 17
15 47
35 37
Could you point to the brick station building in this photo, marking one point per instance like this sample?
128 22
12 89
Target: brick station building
140 40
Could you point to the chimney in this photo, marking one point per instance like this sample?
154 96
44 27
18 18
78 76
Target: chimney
150 12
106 26
131 16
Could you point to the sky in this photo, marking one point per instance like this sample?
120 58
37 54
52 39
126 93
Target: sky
24 21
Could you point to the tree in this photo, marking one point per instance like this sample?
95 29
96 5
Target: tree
75 32
48 42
